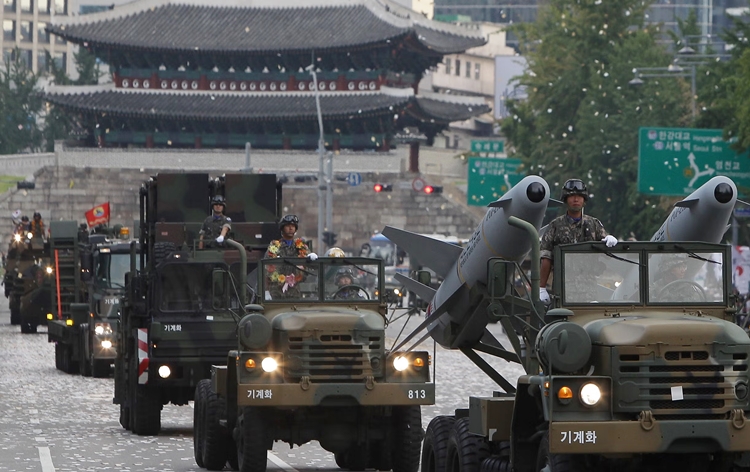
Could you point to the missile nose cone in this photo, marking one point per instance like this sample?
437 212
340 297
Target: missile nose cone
536 192
723 192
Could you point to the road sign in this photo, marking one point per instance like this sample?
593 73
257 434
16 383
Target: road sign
487 146
417 184
742 212
354 178
676 161
489 178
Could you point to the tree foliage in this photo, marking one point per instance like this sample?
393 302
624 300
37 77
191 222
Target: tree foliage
20 106
581 117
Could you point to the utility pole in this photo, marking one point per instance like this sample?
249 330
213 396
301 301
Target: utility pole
321 161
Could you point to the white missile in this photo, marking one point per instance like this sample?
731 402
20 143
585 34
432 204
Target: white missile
451 323
701 216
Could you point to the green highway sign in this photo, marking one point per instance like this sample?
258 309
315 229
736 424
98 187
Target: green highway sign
487 145
490 177
676 161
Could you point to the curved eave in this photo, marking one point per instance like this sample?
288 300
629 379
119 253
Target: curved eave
431 110
227 106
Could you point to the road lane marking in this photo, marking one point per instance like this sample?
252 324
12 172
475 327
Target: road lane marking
278 462
46 459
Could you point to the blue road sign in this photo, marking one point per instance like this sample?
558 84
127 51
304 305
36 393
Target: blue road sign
354 178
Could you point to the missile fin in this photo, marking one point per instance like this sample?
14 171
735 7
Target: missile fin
687 203
502 203
437 255
423 291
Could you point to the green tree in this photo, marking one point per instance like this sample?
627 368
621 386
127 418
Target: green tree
20 106
581 117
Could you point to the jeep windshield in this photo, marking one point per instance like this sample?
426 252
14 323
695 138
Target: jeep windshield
645 273
110 270
187 287
345 280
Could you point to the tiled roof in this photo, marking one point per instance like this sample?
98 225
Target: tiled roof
170 25
227 106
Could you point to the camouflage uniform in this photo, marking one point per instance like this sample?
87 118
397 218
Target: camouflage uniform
293 248
579 287
213 225
350 293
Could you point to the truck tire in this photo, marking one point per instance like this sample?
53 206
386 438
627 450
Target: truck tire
252 441
199 406
125 417
407 438
496 464
354 458
28 328
435 444
100 368
146 412
551 462
59 356
69 366
162 250
215 435
83 362
466 451
15 313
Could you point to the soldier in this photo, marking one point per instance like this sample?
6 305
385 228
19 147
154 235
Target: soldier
347 289
217 225
670 284
37 225
572 227
283 278
24 226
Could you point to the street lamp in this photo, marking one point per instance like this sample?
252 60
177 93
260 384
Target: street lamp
673 70
322 184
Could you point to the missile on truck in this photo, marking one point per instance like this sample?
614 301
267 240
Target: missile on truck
656 380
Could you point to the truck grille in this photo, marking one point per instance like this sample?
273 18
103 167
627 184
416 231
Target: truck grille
328 357
707 380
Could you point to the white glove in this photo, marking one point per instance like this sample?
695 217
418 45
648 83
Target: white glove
312 257
544 296
610 240
220 239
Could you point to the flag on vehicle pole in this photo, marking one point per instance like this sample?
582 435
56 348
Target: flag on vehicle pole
97 215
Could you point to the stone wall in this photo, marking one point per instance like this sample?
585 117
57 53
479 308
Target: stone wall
62 193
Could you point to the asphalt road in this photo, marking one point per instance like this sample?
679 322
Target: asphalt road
52 421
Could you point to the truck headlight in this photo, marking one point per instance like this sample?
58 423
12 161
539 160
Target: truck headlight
107 344
400 363
102 328
49 269
590 394
269 364
164 371
17 237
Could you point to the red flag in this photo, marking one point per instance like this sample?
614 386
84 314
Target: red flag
97 215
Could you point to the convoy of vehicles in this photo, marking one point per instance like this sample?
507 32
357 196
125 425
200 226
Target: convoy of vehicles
87 285
181 304
312 364
627 371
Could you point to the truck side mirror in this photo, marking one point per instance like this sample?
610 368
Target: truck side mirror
424 277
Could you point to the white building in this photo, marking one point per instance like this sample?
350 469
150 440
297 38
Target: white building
425 7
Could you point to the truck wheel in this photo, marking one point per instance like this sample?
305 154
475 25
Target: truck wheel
407 438
28 328
125 417
252 441
99 368
199 406
59 356
84 362
215 435
354 458
15 313
68 364
466 451
496 464
551 462
146 410
435 445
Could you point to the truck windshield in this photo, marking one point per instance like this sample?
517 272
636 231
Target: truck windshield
111 270
327 279
655 277
186 287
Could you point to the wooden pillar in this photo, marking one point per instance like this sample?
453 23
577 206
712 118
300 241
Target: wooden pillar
385 146
198 142
286 143
100 141
149 141
414 157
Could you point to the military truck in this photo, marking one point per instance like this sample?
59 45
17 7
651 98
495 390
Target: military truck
85 311
312 364
181 303
630 369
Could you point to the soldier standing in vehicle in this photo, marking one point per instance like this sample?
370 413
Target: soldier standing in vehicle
283 278
572 227
24 226
37 225
217 225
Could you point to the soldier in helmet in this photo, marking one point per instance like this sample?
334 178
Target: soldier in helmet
283 278
37 225
347 288
217 225
670 282
24 226
572 227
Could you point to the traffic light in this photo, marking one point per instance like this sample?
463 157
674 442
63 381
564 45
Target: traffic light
382 187
329 237
430 189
